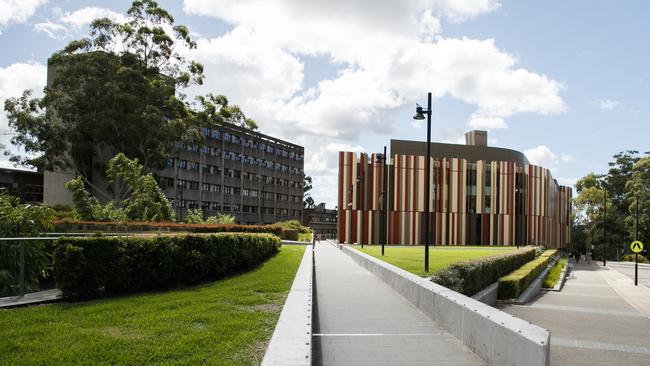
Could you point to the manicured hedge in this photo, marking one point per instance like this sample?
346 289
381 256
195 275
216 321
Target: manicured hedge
515 283
471 277
283 231
86 268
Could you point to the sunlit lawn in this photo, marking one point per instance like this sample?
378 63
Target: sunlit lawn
411 258
227 322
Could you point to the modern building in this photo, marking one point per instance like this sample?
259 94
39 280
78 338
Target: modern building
24 184
255 177
321 220
480 195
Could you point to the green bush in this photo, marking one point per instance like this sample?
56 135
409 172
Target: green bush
86 268
293 225
471 277
554 273
512 285
630 258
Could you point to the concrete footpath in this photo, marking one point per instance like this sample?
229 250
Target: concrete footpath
598 318
359 320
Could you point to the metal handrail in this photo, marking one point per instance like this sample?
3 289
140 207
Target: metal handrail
22 240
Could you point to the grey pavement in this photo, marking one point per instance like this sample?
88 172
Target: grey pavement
359 320
596 319
627 268
33 298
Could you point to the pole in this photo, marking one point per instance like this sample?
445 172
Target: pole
636 255
383 206
605 229
360 193
427 187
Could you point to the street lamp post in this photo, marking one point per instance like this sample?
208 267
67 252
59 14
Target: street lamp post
605 227
360 203
419 115
383 199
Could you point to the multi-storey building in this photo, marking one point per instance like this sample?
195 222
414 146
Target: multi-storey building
321 220
24 184
479 195
255 177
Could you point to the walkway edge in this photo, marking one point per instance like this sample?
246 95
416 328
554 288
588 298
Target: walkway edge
290 344
497 337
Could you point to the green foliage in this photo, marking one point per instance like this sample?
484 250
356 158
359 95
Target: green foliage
119 90
195 216
515 283
638 190
18 220
94 267
218 323
293 225
631 258
473 276
554 273
222 219
141 200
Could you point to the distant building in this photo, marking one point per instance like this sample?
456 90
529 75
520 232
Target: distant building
321 220
480 195
24 184
255 177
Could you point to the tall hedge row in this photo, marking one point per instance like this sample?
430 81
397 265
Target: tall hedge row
86 268
472 276
516 282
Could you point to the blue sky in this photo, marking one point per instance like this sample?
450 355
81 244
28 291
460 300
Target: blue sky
567 82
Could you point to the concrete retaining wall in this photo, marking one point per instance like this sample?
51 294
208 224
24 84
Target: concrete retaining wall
291 341
488 295
497 337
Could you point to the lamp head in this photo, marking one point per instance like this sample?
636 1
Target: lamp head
419 113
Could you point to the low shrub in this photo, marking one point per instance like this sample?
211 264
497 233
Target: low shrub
293 225
513 284
86 268
630 258
471 277
554 273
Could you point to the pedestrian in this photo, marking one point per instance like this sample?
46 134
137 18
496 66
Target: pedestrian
577 255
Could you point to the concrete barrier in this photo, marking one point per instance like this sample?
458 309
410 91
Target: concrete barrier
488 295
497 337
290 344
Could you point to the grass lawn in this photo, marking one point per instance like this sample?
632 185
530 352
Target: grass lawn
411 258
227 322
554 273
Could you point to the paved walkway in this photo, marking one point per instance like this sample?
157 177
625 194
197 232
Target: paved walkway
362 321
597 319
33 298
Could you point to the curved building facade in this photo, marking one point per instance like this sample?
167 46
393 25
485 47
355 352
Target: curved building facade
473 201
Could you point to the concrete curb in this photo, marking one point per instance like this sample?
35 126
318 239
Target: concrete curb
488 295
497 337
290 344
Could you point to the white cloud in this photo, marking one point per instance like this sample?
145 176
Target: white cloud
73 22
13 80
569 182
567 158
53 30
390 54
607 104
542 156
478 122
18 11
79 18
